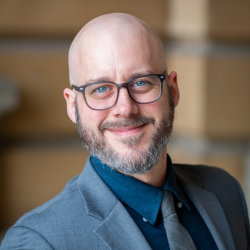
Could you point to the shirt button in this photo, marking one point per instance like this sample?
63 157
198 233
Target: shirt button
145 220
179 204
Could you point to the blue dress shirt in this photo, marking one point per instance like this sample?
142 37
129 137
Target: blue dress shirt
143 202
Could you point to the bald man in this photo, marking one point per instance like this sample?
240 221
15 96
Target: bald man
130 195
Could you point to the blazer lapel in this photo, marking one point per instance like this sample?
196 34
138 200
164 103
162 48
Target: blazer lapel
119 231
116 229
210 210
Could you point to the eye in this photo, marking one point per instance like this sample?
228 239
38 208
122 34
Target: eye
140 83
102 89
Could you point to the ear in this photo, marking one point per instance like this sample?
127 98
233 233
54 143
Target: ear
172 80
70 96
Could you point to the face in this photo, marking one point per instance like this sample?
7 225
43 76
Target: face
129 137
142 160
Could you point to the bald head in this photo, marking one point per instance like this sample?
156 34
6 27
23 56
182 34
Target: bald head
121 125
109 42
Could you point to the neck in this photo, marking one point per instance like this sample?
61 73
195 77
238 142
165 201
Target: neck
156 176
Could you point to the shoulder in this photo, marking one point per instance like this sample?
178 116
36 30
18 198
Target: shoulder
68 220
199 169
225 188
213 179
208 175
55 206
46 223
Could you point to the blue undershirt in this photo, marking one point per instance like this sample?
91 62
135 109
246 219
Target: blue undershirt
143 202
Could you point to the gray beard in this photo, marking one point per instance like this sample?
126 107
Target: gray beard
138 161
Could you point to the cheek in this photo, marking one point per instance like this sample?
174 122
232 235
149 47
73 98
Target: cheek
157 109
92 118
164 102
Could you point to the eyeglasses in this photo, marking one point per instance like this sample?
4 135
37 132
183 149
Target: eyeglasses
104 95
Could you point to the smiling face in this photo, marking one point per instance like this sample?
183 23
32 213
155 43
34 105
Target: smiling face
129 137
129 133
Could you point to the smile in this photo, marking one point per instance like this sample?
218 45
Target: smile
126 131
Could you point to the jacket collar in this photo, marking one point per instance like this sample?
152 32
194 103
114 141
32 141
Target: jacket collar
142 197
209 208
116 228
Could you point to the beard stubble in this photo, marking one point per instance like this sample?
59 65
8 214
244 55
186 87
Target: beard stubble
139 161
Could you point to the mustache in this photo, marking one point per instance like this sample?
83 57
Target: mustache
127 123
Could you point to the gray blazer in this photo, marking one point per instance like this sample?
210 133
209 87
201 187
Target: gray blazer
87 215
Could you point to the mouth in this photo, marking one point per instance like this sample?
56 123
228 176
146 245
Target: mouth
126 131
128 128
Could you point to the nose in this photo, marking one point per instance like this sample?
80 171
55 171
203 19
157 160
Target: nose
125 106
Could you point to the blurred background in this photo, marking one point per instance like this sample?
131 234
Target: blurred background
206 41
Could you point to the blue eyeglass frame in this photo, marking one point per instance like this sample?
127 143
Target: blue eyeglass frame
82 88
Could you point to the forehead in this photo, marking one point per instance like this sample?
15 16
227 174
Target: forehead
117 53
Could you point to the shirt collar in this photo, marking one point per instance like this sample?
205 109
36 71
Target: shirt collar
142 197
172 185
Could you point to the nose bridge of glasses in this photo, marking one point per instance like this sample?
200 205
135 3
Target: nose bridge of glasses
122 85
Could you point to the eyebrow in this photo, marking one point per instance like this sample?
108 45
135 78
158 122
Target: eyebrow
107 79
98 79
144 73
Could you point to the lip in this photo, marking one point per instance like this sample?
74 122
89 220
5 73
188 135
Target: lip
126 131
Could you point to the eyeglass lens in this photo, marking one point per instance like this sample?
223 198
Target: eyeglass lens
142 90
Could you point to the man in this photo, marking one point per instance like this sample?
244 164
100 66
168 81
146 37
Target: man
130 195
